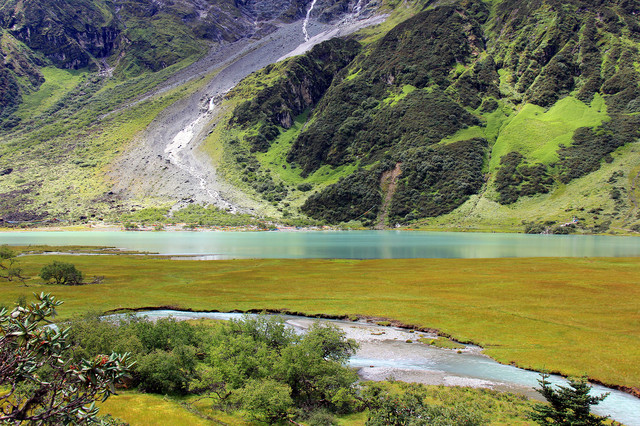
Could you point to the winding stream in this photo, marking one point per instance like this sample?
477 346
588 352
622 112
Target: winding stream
384 352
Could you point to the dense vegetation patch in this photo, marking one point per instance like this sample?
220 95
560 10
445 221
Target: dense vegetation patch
256 364
591 146
357 196
406 56
439 179
516 178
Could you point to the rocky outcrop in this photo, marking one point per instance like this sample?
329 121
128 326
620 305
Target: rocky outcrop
69 33
19 74
305 81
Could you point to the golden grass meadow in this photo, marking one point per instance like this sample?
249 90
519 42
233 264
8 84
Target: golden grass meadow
574 316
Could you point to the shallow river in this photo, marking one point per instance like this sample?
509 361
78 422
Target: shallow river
384 352
339 244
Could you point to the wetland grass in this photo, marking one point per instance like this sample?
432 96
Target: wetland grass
567 315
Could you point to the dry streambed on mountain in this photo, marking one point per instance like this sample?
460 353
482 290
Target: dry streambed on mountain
166 162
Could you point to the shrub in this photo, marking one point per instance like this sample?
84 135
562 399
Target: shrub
516 178
304 187
41 383
61 273
267 399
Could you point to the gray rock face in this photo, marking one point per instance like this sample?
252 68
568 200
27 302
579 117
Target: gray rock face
72 34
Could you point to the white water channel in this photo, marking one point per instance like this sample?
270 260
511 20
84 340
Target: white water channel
177 152
305 23
384 352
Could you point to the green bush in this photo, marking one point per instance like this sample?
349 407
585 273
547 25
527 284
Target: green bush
267 400
410 408
61 273
515 178
568 405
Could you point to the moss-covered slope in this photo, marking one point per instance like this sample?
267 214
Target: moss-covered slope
500 101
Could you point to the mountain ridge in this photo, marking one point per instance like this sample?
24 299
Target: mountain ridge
490 106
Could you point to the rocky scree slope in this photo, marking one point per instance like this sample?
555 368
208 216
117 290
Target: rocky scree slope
126 61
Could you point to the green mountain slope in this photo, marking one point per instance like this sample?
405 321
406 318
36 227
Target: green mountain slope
486 109
80 79
463 114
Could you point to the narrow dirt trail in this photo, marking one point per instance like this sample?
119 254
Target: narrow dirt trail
388 183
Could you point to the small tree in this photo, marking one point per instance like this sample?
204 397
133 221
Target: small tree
568 405
8 270
39 384
61 273
267 400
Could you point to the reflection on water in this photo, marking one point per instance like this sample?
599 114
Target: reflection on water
384 352
340 244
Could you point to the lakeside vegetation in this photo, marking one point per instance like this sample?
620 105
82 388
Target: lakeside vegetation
254 370
535 313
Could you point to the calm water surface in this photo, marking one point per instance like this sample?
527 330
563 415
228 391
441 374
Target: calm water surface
339 244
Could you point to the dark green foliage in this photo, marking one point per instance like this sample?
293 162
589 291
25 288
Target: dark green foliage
267 400
591 146
351 122
61 273
417 128
438 179
480 80
422 50
534 228
363 135
589 61
164 351
568 405
409 408
262 352
261 142
556 79
304 82
166 372
356 196
258 363
304 187
516 178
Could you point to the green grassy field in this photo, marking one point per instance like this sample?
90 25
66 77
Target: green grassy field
148 409
567 315
538 133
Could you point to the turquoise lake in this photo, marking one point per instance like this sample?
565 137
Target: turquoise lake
339 244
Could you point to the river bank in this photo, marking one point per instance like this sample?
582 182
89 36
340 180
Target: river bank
538 313
392 350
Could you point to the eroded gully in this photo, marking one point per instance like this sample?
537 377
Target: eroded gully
166 162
